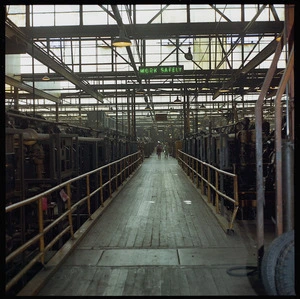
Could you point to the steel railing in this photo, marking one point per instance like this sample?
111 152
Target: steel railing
115 172
208 177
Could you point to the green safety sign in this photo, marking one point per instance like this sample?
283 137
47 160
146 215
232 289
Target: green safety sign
160 70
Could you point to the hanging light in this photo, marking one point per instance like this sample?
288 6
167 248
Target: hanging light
188 55
121 40
148 108
177 101
140 90
224 89
45 78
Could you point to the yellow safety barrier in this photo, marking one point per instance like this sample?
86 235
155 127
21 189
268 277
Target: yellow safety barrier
38 244
204 175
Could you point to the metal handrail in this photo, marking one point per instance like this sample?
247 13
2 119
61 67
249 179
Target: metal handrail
190 165
124 168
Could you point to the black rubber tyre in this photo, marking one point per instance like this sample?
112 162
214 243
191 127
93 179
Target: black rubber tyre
270 259
285 272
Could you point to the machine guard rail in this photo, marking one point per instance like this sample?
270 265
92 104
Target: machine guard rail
204 175
123 168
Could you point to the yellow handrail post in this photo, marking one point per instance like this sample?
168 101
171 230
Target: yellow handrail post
208 185
41 229
122 167
69 209
191 164
109 178
197 171
129 166
236 201
116 175
88 192
186 165
101 187
201 183
194 170
217 193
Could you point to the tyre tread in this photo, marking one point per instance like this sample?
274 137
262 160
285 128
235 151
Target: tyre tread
270 259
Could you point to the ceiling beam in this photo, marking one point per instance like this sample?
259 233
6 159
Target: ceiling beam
51 61
258 59
40 93
155 31
130 76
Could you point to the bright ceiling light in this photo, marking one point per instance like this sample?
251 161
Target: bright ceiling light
121 40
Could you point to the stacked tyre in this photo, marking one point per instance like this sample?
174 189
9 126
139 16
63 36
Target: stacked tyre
278 266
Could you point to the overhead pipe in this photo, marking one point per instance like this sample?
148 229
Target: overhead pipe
30 136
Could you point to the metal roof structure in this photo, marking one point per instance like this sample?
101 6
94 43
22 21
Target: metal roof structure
213 57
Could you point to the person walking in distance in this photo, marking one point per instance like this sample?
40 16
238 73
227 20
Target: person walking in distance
166 150
159 149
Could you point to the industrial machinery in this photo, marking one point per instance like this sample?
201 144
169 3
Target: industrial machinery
41 155
232 148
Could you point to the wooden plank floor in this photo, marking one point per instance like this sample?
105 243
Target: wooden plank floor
157 237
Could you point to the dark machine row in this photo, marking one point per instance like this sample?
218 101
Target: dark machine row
232 148
41 154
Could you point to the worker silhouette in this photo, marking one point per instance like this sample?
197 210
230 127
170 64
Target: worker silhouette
166 150
159 149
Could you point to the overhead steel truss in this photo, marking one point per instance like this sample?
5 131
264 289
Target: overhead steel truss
189 82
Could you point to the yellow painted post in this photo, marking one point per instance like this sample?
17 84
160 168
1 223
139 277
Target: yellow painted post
69 209
128 165
121 170
201 184
185 164
217 188
236 201
191 169
208 185
41 229
194 168
236 194
88 192
109 178
197 171
132 164
117 175
101 187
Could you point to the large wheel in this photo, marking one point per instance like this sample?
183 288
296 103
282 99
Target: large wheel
270 258
285 271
